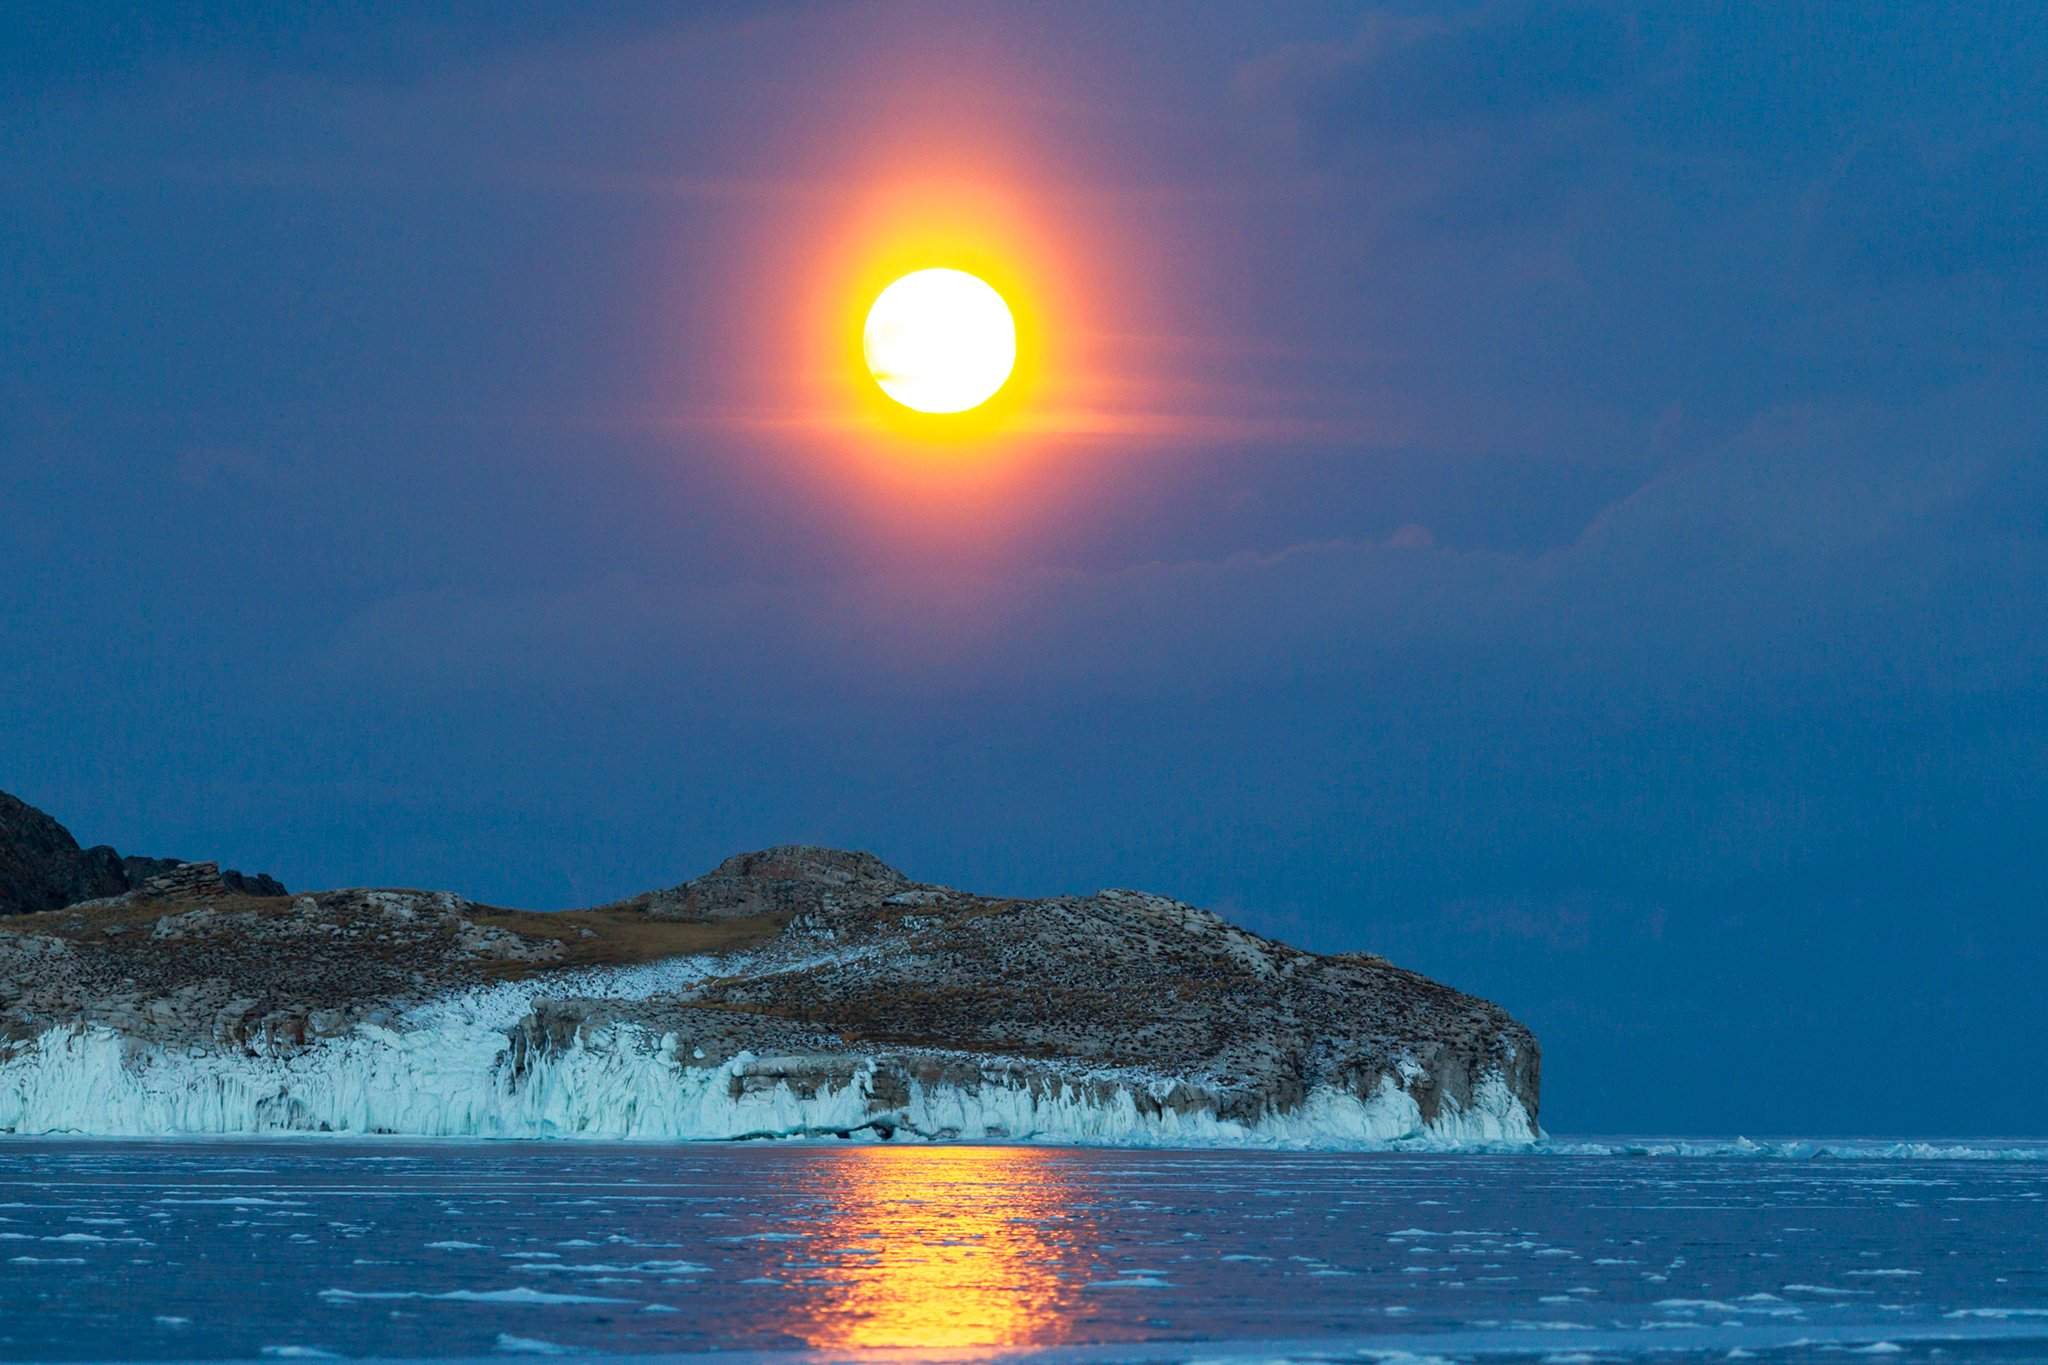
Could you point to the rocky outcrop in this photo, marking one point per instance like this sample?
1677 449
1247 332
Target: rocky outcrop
790 880
152 875
43 868
791 990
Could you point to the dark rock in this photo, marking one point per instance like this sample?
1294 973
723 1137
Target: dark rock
140 870
43 868
253 883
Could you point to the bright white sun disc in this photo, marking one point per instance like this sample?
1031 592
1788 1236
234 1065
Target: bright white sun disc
940 340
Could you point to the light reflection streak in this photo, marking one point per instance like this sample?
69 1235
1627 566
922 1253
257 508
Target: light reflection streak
944 1248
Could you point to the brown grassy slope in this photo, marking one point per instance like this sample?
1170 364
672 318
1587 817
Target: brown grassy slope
619 937
605 937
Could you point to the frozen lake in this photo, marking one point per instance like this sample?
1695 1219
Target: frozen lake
254 1249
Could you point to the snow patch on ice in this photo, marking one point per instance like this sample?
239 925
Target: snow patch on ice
529 1346
521 1295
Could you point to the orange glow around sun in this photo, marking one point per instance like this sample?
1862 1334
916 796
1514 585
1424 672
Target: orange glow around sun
947 231
800 387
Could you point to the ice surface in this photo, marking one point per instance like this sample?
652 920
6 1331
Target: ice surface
1086 1255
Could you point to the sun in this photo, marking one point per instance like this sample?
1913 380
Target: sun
940 341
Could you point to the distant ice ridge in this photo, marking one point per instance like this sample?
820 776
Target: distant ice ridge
454 1077
1806 1149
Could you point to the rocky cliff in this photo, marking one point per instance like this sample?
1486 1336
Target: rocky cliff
42 867
791 991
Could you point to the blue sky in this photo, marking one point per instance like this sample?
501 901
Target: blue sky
1560 503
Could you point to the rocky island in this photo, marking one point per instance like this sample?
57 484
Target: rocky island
796 991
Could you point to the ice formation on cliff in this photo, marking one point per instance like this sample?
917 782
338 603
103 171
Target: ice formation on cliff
449 1071
791 991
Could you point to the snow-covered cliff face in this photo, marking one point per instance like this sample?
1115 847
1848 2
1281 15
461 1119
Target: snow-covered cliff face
795 992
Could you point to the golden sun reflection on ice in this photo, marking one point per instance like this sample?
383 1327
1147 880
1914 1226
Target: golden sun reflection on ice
944 1248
